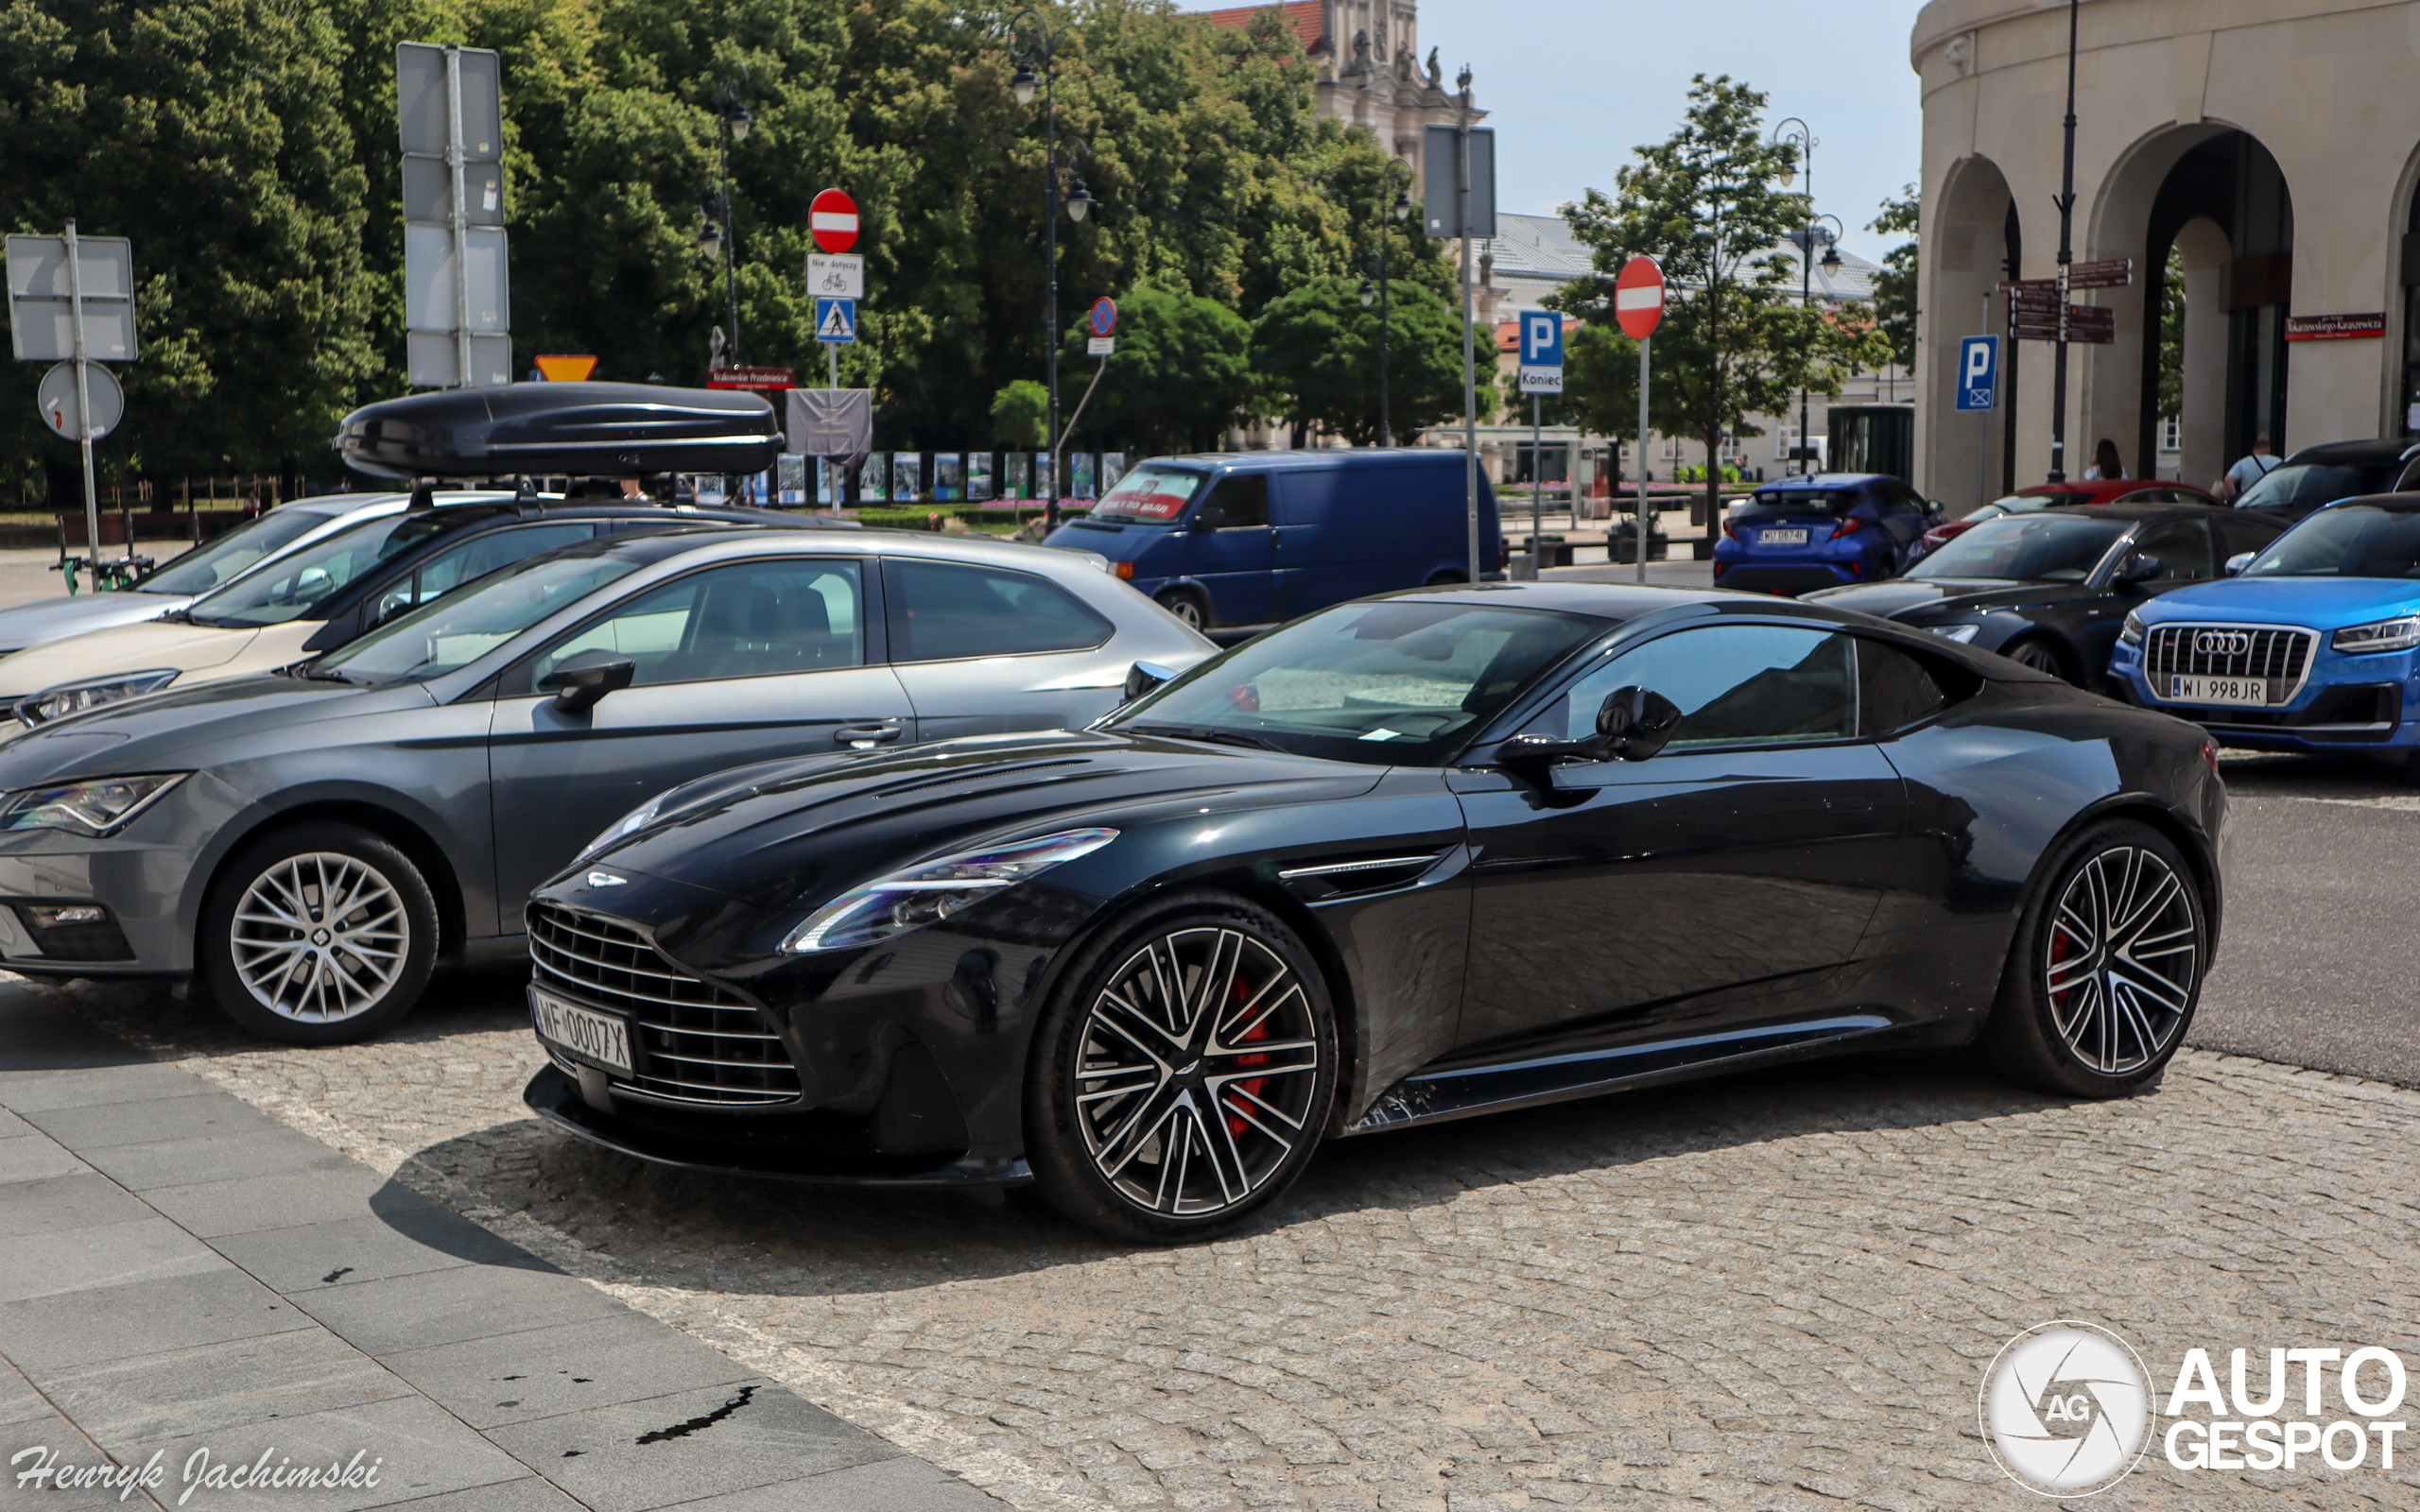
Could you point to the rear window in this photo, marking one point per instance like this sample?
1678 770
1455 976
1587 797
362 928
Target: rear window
1150 493
2303 486
1833 503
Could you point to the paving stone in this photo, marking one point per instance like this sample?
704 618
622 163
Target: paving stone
145 1165
449 1306
37 1159
78 1200
418 1450
48 1263
214 1387
408 1236
200 1110
331 1187
68 1329
515 1376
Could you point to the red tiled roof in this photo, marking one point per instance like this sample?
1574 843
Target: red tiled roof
1303 16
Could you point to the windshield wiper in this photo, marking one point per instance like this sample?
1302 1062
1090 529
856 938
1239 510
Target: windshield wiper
1204 732
175 616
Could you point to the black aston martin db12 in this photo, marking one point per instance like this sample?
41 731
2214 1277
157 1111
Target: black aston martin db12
1412 858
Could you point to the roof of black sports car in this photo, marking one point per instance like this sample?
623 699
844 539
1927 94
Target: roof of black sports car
1615 602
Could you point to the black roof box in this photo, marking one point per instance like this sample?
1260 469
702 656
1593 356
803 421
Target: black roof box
579 430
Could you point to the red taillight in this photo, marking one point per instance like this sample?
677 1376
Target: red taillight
1845 526
1718 570
2210 756
1856 569
1731 530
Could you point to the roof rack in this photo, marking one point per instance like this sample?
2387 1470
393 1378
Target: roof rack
580 430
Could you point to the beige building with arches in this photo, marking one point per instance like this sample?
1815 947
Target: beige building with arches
2273 144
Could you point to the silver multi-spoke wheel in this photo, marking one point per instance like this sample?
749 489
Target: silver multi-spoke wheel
2120 958
1197 1066
320 937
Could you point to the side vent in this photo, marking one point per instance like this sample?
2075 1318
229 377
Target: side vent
1333 879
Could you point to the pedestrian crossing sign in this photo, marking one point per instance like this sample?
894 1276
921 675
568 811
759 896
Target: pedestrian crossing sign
835 320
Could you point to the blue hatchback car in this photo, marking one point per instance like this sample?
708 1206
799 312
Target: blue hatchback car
2312 646
1825 531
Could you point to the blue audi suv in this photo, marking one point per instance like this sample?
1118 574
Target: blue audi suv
2312 644
1825 531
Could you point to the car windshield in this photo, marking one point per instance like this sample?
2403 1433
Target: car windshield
2303 486
2037 548
2023 502
239 551
460 627
291 588
1833 503
1398 684
2356 541
1151 494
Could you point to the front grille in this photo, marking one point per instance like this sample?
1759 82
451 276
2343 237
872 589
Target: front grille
692 1041
2281 655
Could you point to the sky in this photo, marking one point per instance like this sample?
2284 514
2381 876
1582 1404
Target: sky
1573 85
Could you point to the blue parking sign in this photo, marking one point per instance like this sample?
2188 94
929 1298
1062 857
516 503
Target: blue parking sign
1979 373
836 320
1541 338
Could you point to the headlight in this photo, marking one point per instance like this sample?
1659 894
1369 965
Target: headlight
94 808
631 823
2385 635
2131 633
929 893
1960 633
75 698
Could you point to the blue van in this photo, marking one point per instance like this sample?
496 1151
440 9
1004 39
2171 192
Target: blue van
1250 537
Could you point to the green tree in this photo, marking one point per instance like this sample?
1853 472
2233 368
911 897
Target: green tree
1894 288
1181 376
1316 348
2171 339
1735 342
1021 414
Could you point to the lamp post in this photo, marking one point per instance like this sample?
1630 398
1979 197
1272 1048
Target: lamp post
2067 257
1382 296
1029 43
1805 239
730 102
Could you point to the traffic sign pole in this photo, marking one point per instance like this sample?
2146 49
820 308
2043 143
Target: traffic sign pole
1470 349
1640 544
1638 309
84 409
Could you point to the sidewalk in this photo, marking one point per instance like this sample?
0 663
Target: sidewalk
187 1283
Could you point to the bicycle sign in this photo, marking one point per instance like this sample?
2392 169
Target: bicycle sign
835 276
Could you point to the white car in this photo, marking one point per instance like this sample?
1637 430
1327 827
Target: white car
213 565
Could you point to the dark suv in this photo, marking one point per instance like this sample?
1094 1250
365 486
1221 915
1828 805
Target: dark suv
2319 476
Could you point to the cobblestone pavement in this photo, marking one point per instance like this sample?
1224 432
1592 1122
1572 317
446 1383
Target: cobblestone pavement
1772 1291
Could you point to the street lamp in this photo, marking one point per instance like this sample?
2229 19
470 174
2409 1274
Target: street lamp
1397 212
1031 43
1805 240
730 102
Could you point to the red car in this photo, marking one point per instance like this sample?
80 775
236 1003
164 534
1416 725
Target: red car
2046 495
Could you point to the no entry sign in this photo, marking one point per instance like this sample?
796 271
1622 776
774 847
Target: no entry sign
832 219
1638 297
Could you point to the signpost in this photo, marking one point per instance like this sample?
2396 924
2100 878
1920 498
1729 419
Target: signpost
832 220
1104 340
1638 309
1979 390
835 323
71 301
836 279
834 275
566 369
1541 375
457 314
1459 187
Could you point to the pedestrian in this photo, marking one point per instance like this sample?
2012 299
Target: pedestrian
2106 465
2241 476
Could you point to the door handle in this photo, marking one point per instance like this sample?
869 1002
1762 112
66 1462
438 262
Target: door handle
866 737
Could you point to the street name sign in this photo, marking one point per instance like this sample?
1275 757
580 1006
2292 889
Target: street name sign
759 378
2109 274
1638 297
1979 373
2334 327
836 275
832 220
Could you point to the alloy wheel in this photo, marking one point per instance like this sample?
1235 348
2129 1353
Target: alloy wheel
1186 608
2120 960
320 937
1195 1070
2037 655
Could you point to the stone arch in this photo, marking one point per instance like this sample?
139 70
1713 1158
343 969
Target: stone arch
2403 256
1968 241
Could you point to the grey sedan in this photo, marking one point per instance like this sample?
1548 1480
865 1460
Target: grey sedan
313 842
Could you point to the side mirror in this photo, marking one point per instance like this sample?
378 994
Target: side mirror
1935 509
1143 677
581 679
1209 517
1632 725
2140 568
2238 563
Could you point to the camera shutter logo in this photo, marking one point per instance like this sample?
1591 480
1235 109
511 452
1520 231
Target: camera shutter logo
2222 643
2067 1409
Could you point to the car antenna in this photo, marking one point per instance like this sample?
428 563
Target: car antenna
423 496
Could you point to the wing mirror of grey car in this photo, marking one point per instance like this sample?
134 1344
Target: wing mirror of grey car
1143 677
1210 517
2140 568
585 676
1632 725
2237 563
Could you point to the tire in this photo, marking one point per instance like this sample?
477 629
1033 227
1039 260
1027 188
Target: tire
1189 606
2040 656
1128 1158
2102 1030
284 981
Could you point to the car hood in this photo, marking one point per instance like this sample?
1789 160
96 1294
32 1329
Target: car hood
186 730
1911 597
120 649
783 834
2320 603
52 619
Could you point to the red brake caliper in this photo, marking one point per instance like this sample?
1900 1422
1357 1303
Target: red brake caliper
1235 1125
2057 955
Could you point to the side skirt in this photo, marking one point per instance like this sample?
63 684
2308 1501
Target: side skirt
1464 1091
